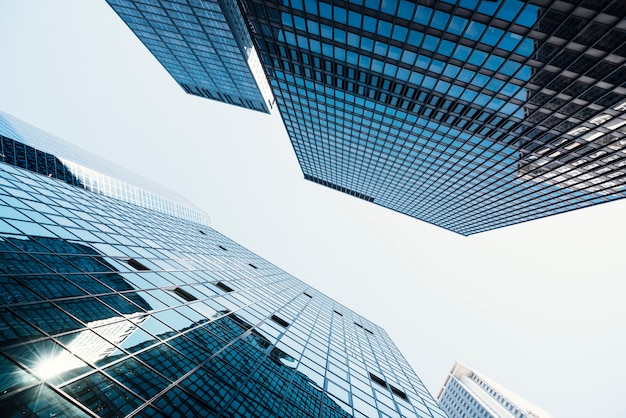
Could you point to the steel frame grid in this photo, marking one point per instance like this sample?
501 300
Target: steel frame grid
148 377
244 96
501 128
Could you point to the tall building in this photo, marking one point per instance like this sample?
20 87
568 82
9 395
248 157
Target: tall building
467 114
26 146
204 45
113 308
467 393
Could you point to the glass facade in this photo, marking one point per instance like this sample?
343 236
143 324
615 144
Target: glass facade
26 146
204 45
467 394
467 114
108 308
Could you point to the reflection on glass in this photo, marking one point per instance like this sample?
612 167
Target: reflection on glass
188 342
12 376
470 115
46 359
27 147
584 158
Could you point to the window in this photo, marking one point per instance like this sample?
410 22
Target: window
183 294
398 392
392 388
279 321
223 248
253 266
378 380
136 264
224 287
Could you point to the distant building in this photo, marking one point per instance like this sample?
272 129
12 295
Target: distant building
26 146
468 394
204 45
110 307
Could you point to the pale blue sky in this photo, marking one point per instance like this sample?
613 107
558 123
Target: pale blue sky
538 307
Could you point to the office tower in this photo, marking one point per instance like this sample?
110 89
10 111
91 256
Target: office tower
467 393
204 45
26 146
467 114
112 308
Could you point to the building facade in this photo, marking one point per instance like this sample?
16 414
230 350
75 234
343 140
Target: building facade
204 45
111 308
467 114
31 148
468 394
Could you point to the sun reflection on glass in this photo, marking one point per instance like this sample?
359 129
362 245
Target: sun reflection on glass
54 362
52 366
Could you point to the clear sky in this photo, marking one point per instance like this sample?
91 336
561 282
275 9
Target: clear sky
539 307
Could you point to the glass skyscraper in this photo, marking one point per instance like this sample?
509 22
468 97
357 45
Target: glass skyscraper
204 45
112 308
467 393
26 146
467 114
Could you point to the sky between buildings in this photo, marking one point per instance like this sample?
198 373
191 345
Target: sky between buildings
538 307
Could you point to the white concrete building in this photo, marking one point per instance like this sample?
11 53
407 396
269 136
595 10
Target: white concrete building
468 394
